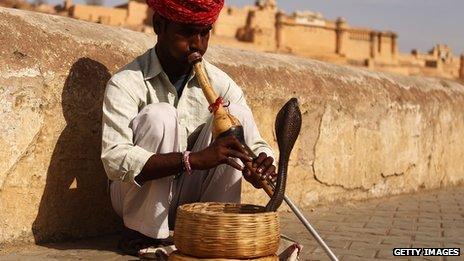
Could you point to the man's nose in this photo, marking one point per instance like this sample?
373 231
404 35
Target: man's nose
195 42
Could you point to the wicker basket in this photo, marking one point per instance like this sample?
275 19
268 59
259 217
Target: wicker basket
232 231
177 256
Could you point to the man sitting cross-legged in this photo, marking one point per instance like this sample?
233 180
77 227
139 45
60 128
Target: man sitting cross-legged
157 144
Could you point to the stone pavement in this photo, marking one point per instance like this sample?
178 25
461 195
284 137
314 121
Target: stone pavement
371 229
356 231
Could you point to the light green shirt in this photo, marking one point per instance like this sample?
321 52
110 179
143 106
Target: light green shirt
143 82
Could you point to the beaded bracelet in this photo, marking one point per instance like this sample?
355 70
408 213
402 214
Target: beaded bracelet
186 162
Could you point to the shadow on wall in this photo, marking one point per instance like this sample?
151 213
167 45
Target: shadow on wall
75 203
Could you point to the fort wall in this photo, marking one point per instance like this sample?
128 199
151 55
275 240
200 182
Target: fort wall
138 13
387 53
99 14
365 134
358 44
261 28
230 21
438 62
323 38
317 40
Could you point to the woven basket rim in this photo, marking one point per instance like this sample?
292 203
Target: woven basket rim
202 208
179 255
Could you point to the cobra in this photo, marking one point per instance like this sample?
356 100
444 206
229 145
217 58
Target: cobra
287 125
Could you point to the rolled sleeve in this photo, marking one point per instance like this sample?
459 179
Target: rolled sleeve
121 159
135 160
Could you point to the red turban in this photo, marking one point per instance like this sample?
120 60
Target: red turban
201 12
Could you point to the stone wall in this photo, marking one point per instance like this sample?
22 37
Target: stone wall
99 14
364 134
359 45
307 39
437 62
138 14
231 20
334 38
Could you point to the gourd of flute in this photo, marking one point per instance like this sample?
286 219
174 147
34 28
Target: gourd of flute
224 123
222 119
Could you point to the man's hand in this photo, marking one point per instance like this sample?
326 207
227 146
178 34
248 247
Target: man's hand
264 167
222 151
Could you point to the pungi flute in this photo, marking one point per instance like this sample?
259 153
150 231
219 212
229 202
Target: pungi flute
224 123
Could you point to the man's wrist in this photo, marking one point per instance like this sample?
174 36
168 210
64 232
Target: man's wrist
187 168
194 160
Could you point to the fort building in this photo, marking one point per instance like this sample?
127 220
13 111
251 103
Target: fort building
134 14
438 62
264 27
306 34
309 34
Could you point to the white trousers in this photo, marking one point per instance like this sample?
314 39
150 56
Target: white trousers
150 208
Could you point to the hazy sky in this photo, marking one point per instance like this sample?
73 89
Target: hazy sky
419 23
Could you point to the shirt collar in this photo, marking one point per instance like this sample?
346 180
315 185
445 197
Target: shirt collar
153 66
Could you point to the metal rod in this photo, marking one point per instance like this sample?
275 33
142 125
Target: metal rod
308 226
